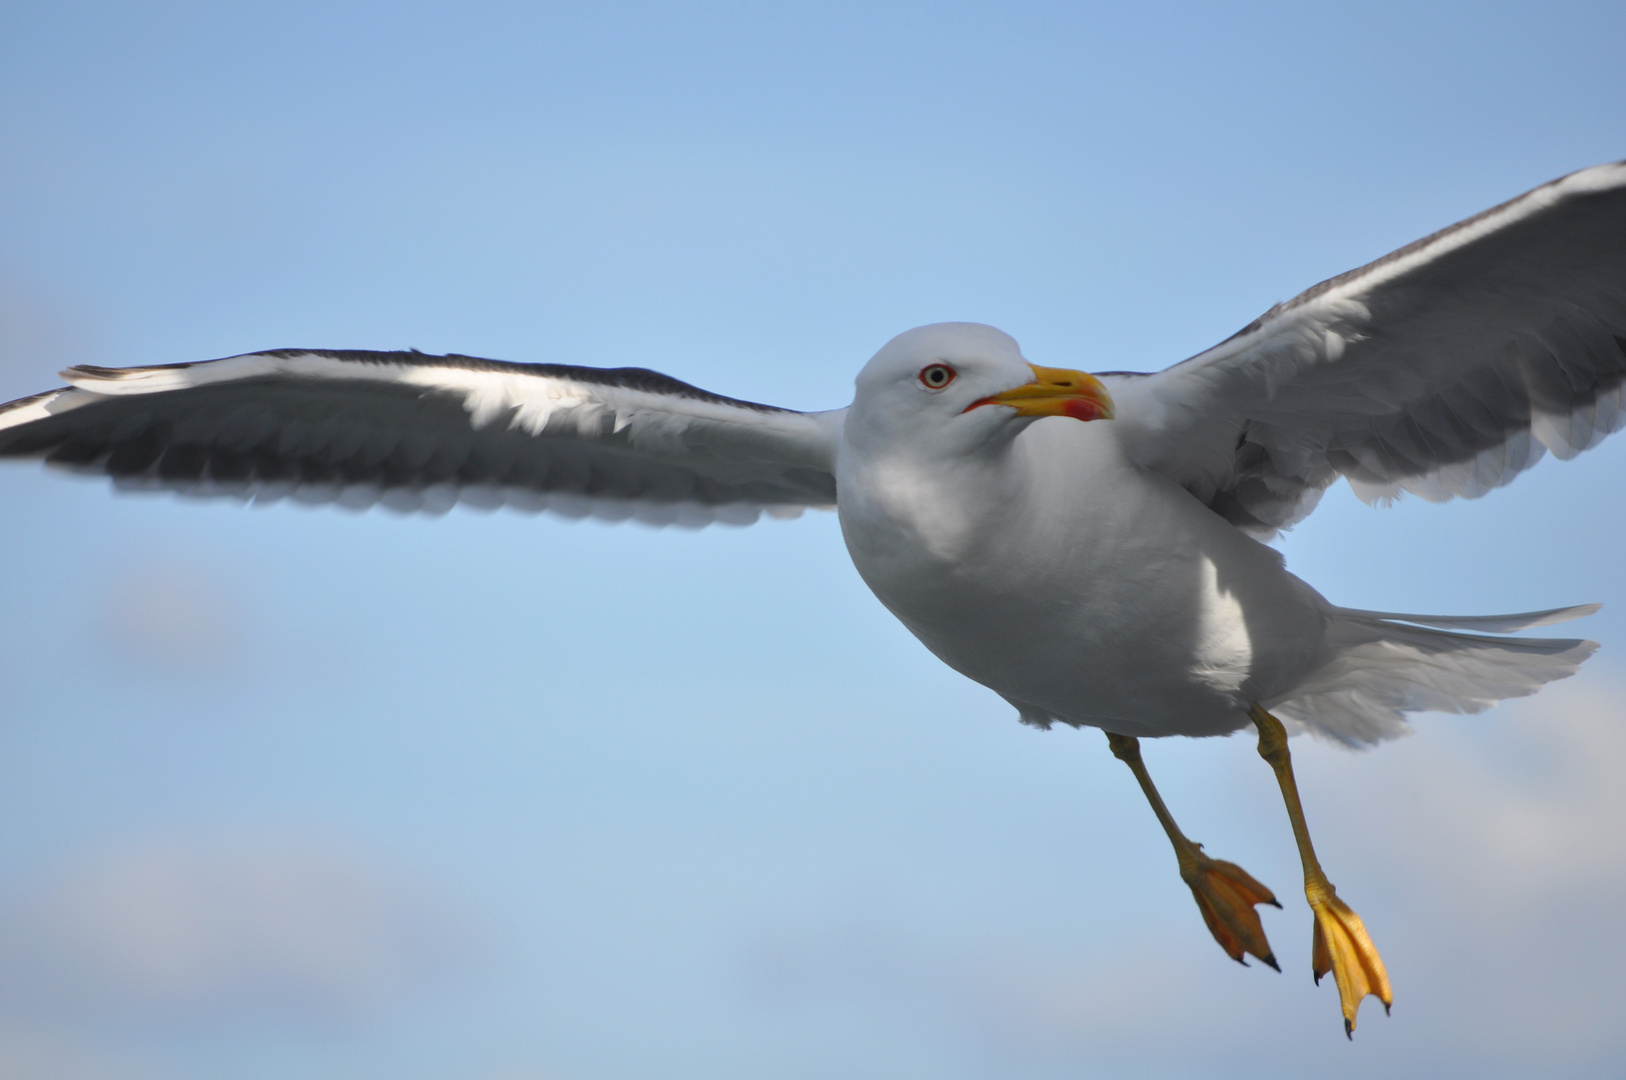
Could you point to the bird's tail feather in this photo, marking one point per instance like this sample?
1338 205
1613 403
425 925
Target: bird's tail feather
1383 665
1484 624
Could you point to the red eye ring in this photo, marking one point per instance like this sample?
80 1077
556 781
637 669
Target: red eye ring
936 376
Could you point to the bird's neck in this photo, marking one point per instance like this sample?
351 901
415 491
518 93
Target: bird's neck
917 509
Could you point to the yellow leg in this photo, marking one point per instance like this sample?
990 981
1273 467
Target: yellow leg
1225 893
1341 944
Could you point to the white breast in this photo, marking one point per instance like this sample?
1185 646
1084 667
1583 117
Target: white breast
1079 587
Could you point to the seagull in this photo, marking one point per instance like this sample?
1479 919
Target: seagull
1093 548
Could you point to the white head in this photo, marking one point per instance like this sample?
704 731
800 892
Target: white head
958 387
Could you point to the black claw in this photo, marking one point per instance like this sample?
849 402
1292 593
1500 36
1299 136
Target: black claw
1386 1009
1271 960
1277 904
1317 976
1241 960
1349 1031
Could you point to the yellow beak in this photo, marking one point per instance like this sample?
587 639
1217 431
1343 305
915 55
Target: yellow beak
1056 392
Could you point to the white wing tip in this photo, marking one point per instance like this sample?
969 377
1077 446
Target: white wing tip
42 406
1603 177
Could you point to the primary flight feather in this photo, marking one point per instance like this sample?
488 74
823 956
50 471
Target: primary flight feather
1086 546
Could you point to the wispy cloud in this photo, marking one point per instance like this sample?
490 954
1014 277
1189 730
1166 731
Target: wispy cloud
35 1054
1489 846
188 931
173 616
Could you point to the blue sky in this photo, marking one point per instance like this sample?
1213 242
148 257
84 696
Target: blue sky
494 797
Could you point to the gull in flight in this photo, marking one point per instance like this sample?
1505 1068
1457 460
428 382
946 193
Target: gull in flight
1090 547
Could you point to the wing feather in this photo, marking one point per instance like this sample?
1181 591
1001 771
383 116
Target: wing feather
1443 369
424 433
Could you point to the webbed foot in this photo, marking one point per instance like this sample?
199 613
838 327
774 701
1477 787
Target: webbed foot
1226 895
1342 946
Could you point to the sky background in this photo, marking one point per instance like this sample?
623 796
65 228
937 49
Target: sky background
493 797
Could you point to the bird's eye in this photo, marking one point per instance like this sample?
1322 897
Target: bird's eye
936 376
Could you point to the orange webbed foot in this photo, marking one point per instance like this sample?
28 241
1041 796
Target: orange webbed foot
1342 946
1226 895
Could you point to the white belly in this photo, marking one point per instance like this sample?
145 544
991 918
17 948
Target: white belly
1081 588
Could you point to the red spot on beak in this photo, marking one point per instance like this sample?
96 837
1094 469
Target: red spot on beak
1080 409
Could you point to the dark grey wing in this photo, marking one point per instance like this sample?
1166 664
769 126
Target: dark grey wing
1444 369
417 432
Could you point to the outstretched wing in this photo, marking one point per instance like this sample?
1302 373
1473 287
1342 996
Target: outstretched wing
417 432
1443 369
